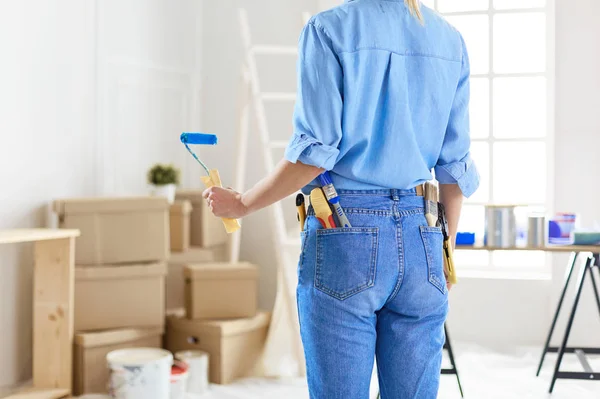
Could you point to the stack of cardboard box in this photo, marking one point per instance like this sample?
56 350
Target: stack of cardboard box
119 279
196 237
221 315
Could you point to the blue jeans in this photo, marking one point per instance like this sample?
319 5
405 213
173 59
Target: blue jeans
375 289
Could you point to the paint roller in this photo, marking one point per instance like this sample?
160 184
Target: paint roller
212 179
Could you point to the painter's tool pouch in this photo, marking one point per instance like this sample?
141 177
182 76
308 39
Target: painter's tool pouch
433 241
346 260
214 180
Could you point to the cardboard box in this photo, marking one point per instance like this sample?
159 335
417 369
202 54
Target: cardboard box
119 296
221 290
206 229
178 261
234 346
179 216
117 230
90 372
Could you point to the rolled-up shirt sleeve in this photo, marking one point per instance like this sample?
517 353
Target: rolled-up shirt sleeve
318 112
455 165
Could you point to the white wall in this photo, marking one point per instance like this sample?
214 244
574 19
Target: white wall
578 138
46 143
93 92
149 88
326 4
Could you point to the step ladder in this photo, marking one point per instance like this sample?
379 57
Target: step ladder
284 331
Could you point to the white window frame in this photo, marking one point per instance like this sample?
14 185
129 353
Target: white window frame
490 270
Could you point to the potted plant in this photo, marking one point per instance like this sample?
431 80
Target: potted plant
164 179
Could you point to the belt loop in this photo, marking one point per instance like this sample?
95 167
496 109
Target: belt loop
395 195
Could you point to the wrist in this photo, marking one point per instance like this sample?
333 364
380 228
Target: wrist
243 198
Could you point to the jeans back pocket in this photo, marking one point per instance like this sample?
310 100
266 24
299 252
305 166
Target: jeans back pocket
346 260
433 240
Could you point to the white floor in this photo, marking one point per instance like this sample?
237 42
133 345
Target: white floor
484 375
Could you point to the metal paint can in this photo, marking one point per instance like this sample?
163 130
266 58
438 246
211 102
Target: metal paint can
139 373
536 232
500 226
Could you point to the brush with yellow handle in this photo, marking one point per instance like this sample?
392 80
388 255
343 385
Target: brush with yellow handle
322 209
213 179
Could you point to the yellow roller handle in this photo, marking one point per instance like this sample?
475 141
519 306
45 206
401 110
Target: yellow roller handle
214 180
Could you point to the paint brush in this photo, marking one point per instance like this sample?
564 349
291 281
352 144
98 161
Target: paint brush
333 198
431 203
322 209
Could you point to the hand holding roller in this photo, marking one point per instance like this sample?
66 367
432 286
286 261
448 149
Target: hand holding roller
213 179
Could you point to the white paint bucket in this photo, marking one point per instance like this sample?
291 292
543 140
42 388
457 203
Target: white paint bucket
140 373
198 370
179 380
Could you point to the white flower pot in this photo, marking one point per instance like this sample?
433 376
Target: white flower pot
167 191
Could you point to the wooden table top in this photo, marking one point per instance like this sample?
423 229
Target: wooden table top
32 235
548 248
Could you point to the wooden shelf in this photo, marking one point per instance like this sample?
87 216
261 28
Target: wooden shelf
37 393
549 248
32 235
53 287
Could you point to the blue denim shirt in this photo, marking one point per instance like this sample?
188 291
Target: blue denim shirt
383 99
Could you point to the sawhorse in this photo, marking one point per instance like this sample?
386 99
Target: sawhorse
591 262
452 369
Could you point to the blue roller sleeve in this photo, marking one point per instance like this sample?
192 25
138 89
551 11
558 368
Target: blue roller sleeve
198 138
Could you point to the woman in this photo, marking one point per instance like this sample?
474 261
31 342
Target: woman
383 96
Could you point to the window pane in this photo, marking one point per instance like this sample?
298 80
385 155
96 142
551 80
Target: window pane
472 220
476 32
507 4
518 258
462 5
520 43
520 107
429 3
479 107
480 152
519 172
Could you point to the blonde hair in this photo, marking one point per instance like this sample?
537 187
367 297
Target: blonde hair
415 8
